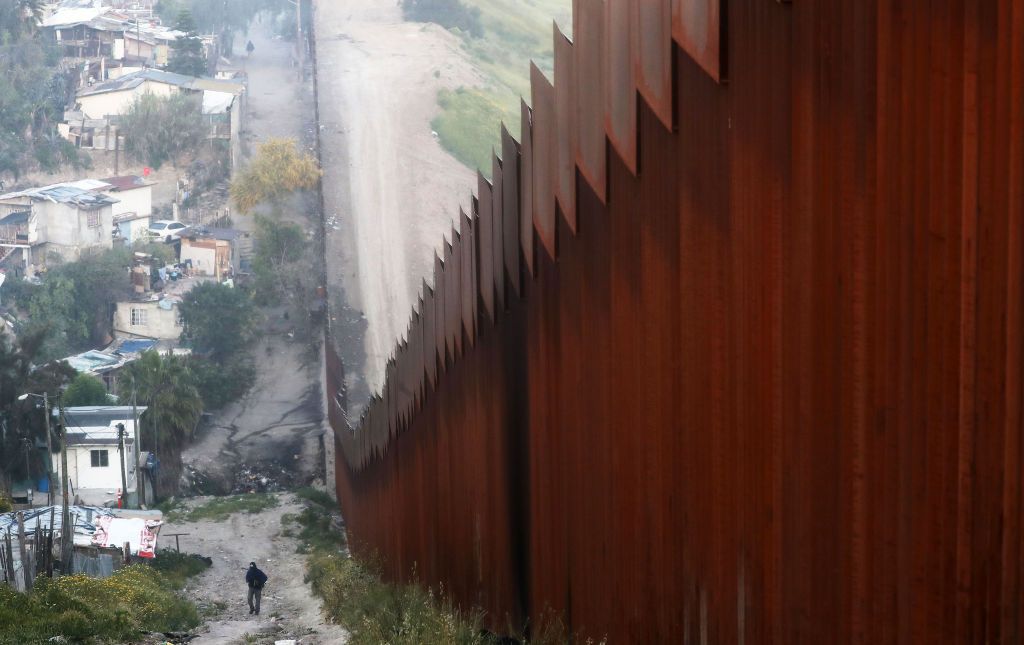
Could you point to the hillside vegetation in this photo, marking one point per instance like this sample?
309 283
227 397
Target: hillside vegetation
514 33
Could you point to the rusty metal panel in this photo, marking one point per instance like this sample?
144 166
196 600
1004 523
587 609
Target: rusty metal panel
698 28
510 169
834 239
653 19
467 262
620 80
417 370
565 127
588 64
486 241
497 234
526 187
440 319
453 295
545 158
429 337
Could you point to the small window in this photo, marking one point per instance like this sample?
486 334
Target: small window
93 219
138 317
100 458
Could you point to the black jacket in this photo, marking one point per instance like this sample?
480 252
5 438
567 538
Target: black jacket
255 578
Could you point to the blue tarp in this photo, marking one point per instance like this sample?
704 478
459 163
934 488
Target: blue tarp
136 346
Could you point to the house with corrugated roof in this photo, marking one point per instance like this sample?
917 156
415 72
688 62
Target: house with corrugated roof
95 454
134 207
60 220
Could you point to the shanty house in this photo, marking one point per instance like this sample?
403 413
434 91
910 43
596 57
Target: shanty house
134 207
212 251
94 458
62 218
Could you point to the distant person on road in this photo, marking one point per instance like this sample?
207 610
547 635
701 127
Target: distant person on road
255 579
249 48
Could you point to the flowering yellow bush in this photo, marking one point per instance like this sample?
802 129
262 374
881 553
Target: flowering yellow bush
87 609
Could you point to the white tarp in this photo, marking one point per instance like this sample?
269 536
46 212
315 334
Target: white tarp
217 102
137 532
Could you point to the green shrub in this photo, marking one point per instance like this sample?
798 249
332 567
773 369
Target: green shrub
83 609
85 389
222 383
319 497
177 568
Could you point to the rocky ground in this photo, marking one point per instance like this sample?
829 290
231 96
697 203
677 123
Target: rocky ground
289 610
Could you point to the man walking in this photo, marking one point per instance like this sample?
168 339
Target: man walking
255 579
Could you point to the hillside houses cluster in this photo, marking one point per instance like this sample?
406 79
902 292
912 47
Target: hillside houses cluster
119 51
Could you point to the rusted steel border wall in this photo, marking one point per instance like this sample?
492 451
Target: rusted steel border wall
730 349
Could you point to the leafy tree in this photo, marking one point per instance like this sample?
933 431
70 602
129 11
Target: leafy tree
71 309
220 384
33 93
20 17
166 386
22 421
187 55
219 320
85 389
161 129
278 170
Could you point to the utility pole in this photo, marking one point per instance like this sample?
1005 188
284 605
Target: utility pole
139 485
121 432
67 531
298 39
49 452
28 453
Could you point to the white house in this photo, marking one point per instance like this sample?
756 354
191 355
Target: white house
94 458
134 208
157 319
61 218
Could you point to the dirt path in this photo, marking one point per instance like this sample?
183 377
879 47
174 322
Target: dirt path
392 188
288 611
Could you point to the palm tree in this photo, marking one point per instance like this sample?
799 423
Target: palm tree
166 386
31 12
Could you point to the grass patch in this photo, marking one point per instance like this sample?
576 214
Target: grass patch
515 32
316 533
468 126
318 497
83 609
219 509
375 612
177 568
371 610
172 509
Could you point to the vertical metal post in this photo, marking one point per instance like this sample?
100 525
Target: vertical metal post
121 432
23 551
139 485
49 452
67 530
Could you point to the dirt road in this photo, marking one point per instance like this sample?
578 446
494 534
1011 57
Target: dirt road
280 420
392 188
288 611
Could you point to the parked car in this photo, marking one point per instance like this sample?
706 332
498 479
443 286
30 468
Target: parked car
166 229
